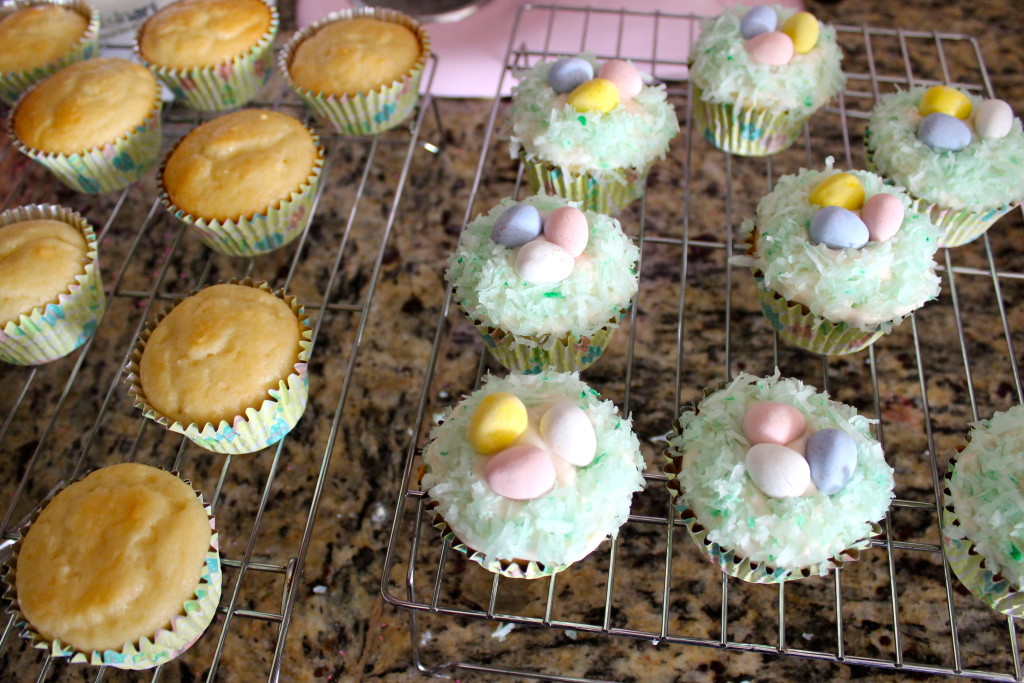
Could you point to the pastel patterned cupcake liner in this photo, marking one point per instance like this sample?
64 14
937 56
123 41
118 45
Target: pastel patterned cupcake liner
58 328
991 587
261 232
14 83
363 113
227 85
608 195
256 428
166 644
746 131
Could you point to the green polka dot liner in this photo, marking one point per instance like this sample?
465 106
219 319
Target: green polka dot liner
608 195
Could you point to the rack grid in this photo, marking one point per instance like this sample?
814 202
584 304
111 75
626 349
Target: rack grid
694 323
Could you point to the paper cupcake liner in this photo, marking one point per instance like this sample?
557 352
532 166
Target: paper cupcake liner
609 195
56 329
971 568
257 428
363 113
14 83
746 131
226 85
799 327
166 644
261 232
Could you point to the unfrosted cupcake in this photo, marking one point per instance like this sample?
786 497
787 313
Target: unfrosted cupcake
212 54
245 181
358 70
589 131
226 367
840 258
545 283
983 517
95 124
37 38
51 296
759 74
531 473
958 155
120 568
776 482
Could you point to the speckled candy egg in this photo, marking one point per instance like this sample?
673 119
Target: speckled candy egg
779 472
832 459
626 78
839 189
945 100
567 227
993 119
541 261
772 422
498 420
566 74
772 48
944 132
598 94
882 215
517 225
569 434
838 228
758 20
520 473
803 29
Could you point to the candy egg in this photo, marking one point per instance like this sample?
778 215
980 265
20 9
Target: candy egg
517 225
832 458
626 78
568 73
778 471
839 189
758 20
520 473
993 119
944 132
567 227
542 261
882 215
803 29
497 422
598 94
838 228
945 100
772 48
569 434
772 422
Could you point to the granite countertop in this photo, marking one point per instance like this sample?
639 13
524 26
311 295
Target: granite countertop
341 628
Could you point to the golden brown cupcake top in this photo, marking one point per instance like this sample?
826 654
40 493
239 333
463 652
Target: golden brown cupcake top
113 557
37 36
219 352
239 164
191 33
87 104
352 56
39 260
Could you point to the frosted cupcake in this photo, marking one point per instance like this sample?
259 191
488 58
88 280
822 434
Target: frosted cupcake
38 38
531 473
959 156
759 74
545 283
589 131
226 367
776 482
120 568
983 517
840 258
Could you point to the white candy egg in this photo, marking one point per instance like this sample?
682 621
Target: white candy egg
569 434
993 119
779 472
541 261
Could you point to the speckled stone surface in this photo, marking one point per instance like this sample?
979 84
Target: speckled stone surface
341 628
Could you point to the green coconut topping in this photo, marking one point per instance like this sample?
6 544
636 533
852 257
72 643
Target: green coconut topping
489 290
789 533
632 135
987 174
561 526
986 494
878 284
721 66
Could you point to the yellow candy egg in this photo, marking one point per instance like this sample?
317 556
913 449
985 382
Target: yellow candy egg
598 94
840 189
497 422
803 29
945 100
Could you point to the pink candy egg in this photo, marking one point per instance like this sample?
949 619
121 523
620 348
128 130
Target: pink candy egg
624 76
567 227
773 48
771 422
520 473
883 214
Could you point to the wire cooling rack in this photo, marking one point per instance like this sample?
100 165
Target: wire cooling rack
694 323
72 415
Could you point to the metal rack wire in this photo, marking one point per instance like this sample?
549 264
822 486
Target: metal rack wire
940 370
150 259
